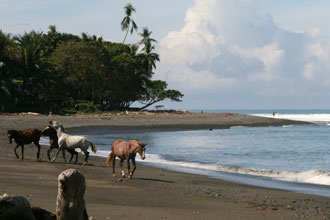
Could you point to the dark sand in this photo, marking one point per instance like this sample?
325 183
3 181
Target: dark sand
153 193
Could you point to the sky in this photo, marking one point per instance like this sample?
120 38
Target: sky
221 54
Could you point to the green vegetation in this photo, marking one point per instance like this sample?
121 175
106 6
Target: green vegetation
65 73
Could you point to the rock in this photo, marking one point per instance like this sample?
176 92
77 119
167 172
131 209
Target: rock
42 214
15 207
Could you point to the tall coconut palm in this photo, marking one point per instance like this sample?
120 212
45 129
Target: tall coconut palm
128 23
147 51
146 39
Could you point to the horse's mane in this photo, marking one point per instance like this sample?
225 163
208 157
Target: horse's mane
13 132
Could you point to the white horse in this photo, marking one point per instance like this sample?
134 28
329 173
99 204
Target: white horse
66 141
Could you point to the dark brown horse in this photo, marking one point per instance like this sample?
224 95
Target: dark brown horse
125 150
25 137
53 142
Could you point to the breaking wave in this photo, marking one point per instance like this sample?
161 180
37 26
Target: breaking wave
319 177
317 118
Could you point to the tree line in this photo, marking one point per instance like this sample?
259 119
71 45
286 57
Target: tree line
61 72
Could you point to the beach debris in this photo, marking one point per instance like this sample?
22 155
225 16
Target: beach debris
70 202
15 207
29 113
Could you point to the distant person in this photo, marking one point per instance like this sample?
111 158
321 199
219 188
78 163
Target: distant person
274 114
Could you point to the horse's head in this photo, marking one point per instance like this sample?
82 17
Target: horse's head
48 130
55 124
11 135
141 150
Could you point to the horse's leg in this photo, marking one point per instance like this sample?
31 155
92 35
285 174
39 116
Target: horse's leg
122 168
58 150
133 161
73 153
128 169
49 150
63 153
86 157
76 153
22 151
38 146
16 152
113 164
71 156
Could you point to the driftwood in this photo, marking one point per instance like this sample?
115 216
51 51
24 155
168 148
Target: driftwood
70 202
14 207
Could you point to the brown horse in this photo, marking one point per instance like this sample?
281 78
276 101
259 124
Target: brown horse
125 150
25 137
53 142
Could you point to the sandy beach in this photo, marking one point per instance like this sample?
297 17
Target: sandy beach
153 193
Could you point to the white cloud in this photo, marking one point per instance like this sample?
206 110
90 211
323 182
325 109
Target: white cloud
314 32
229 44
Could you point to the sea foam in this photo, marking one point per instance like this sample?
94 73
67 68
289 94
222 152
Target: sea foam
324 117
319 177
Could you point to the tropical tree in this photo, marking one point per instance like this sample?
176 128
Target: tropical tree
84 70
62 72
146 39
33 69
128 24
150 58
157 91
85 37
53 38
7 88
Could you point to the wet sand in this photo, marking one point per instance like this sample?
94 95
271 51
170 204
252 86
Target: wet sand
153 193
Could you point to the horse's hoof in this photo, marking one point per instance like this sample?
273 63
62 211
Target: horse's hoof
85 163
114 175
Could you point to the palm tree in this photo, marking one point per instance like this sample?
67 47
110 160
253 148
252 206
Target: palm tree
150 57
133 49
145 34
33 68
87 38
127 21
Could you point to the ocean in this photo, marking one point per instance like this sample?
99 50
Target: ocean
294 158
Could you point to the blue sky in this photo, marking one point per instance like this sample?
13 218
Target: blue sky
222 54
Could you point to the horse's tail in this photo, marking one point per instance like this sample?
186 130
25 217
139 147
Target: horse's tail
108 161
93 147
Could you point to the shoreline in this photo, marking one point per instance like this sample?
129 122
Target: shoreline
153 193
